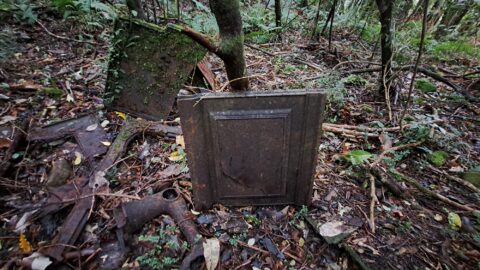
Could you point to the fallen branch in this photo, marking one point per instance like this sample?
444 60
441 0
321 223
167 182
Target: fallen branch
64 38
456 179
391 185
342 130
361 131
196 36
389 129
432 193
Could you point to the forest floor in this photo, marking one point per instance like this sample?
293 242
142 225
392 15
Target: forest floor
50 79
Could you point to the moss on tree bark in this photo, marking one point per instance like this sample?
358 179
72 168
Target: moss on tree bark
229 20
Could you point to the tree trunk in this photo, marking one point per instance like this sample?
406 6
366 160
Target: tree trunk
229 20
136 5
278 13
315 23
385 8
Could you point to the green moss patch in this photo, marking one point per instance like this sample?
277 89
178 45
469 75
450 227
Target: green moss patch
425 86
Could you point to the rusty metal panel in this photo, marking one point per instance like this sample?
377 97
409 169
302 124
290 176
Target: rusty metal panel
148 65
89 140
254 148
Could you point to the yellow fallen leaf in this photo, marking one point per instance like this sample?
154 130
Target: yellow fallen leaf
122 115
175 156
106 143
78 158
24 245
301 242
454 221
179 140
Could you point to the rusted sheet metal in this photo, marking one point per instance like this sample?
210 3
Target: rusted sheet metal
150 64
87 132
253 148
203 67
132 216
72 227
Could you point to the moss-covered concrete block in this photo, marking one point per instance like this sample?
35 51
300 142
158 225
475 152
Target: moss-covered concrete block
148 65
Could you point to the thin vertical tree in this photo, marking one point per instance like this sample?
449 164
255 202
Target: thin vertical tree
385 8
278 13
229 20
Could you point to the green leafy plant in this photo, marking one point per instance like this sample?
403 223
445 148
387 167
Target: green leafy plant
355 80
425 85
438 158
454 49
252 219
357 157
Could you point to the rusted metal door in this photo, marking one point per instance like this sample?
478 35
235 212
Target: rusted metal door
253 148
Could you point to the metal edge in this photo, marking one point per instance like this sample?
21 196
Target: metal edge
191 113
251 94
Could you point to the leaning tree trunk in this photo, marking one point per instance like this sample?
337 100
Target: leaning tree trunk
136 5
453 14
386 35
229 20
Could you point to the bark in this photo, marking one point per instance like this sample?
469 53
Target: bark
315 23
385 8
136 5
229 20
278 13
435 13
454 12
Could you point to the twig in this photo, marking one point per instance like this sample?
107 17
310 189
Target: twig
433 194
241 78
392 149
417 62
350 62
373 201
294 59
64 38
